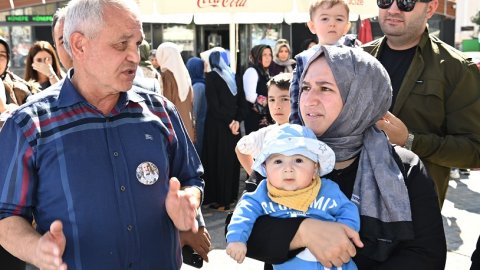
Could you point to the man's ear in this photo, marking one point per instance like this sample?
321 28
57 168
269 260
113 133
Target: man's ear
77 44
432 8
347 27
311 27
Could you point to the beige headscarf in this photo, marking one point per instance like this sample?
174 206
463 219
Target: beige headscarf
168 57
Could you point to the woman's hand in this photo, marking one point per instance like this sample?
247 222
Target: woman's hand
43 68
234 127
330 242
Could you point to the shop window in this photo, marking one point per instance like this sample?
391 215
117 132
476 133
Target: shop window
183 36
265 34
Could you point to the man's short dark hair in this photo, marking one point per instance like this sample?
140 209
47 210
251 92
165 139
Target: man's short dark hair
59 15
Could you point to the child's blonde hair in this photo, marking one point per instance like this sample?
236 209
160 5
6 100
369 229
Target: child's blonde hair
315 4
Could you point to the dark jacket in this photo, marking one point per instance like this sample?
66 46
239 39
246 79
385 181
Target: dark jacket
439 102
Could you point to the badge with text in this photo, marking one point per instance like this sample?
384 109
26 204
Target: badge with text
147 173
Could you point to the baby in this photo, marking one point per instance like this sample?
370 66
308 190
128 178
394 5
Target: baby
292 159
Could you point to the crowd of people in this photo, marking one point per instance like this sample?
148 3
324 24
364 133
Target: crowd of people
347 147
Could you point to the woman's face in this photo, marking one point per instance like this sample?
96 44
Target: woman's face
320 99
3 58
42 57
283 53
266 57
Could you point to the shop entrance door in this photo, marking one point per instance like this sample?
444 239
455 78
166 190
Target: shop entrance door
217 36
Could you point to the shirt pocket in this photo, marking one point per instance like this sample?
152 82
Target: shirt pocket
425 106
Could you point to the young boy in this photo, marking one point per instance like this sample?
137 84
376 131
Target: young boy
329 21
292 159
279 106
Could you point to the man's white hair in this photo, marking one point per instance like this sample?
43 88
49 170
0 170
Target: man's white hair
86 17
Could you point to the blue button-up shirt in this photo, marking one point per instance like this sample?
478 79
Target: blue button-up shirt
61 158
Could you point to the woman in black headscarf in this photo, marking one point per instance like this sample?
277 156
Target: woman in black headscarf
255 81
16 89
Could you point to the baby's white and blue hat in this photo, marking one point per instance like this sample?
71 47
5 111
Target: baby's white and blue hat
293 139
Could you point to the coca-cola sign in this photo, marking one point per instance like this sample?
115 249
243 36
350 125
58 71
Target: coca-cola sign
221 3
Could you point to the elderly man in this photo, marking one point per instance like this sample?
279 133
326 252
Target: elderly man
71 155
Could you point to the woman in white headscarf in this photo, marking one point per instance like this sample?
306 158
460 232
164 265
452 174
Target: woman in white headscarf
177 85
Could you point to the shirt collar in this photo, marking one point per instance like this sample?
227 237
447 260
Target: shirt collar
70 96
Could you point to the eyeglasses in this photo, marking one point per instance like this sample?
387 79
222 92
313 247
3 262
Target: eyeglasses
403 5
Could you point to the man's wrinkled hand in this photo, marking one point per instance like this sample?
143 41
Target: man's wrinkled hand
182 207
395 129
50 248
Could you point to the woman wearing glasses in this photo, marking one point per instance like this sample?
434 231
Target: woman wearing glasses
42 65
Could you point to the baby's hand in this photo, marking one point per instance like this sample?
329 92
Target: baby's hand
237 251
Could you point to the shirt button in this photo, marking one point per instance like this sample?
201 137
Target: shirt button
129 227
130 265
122 188
115 154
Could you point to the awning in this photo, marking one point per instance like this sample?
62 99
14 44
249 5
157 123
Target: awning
240 11
13 4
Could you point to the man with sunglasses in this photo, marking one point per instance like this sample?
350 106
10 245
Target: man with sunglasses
436 91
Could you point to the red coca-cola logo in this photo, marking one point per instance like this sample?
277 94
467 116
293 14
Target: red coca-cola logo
221 3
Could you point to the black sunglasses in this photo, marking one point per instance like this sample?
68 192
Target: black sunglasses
403 5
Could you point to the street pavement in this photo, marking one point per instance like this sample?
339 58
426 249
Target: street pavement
461 221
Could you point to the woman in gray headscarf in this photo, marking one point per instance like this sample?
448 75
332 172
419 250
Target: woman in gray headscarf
282 58
343 93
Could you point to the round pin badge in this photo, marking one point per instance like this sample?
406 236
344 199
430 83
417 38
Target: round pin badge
147 173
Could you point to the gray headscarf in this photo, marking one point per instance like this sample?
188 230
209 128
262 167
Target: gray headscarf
379 190
287 63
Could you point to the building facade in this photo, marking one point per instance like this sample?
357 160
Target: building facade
30 20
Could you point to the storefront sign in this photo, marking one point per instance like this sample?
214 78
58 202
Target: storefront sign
29 18
221 3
